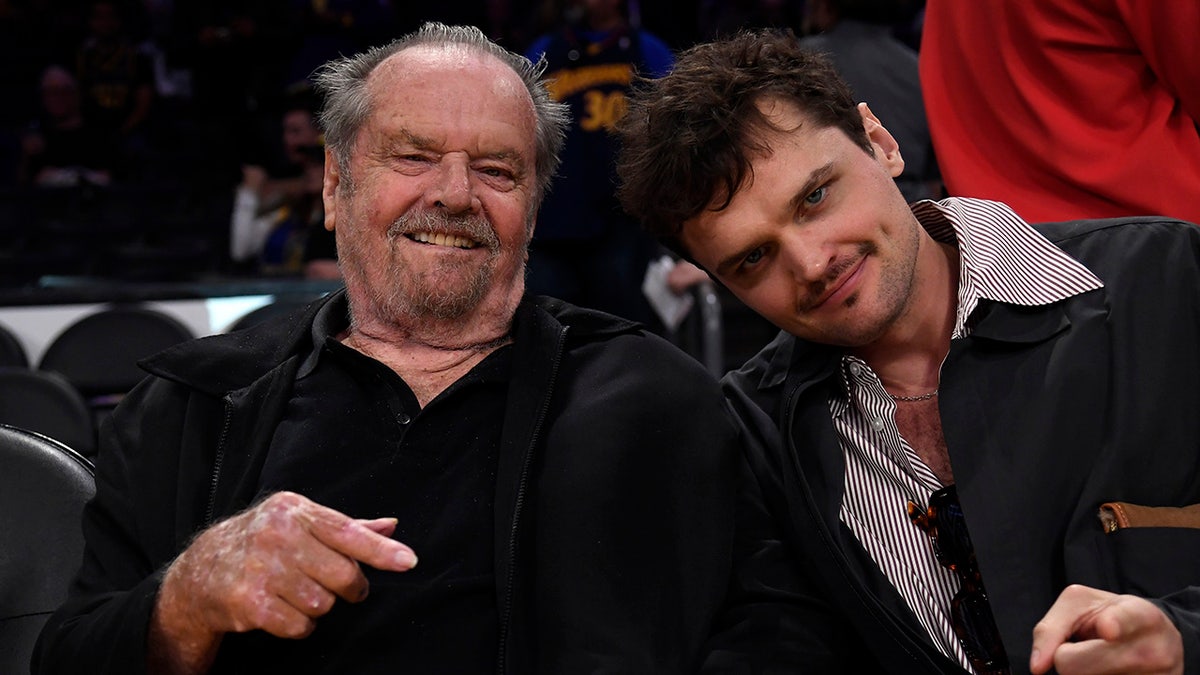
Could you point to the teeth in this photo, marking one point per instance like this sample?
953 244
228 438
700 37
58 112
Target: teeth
440 239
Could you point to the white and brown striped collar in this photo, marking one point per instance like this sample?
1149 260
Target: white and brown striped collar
1002 257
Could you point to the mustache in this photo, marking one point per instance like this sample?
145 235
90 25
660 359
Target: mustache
474 227
815 290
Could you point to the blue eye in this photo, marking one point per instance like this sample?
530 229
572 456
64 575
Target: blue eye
816 196
753 257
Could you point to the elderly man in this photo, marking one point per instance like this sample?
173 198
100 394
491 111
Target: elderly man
962 456
565 478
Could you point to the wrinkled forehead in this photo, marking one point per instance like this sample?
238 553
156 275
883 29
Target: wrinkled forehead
453 87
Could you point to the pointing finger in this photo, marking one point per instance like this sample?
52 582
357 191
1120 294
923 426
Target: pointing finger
359 541
384 526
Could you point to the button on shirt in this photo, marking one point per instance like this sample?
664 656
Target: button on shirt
355 439
1002 259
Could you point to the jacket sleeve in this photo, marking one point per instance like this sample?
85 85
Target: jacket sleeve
1183 608
101 628
776 618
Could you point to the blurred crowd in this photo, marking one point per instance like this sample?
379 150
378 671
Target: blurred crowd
138 86
165 140
141 115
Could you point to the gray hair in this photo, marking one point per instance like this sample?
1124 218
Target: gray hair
343 82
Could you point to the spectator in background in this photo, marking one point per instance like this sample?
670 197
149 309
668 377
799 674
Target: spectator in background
1066 109
328 28
586 250
881 70
60 148
719 18
320 255
278 220
116 81
294 136
235 52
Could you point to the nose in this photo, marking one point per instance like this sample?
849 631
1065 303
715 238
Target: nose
808 258
453 189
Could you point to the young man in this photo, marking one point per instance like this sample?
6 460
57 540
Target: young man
959 408
262 498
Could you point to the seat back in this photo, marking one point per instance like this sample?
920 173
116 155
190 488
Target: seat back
269 311
12 353
43 488
98 354
45 402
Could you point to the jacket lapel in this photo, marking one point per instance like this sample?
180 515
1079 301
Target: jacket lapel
814 486
251 417
1015 397
539 341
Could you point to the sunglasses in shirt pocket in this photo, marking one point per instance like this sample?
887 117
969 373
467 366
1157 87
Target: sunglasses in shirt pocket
1151 551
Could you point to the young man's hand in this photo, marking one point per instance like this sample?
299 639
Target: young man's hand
1093 631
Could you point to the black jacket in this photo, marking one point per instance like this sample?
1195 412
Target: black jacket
1047 412
613 504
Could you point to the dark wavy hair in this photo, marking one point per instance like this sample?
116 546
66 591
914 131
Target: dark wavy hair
688 138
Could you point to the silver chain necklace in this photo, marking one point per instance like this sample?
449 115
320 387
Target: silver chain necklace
922 397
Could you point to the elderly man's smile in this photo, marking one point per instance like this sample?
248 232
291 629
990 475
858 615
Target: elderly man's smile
441 239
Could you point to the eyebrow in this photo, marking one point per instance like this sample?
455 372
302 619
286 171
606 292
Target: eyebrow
818 176
418 142
726 266
815 178
428 144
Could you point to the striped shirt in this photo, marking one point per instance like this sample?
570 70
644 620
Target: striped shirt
1002 259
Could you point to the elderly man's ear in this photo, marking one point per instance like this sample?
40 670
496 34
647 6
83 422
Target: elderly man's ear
329 189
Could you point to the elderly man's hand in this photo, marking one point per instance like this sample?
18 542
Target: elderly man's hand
275 567
1093 631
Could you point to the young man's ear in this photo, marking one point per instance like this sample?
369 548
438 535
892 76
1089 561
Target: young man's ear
887 150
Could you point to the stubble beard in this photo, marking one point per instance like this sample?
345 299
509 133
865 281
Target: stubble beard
451 290
893 297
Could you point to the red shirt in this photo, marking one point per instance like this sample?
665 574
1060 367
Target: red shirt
1067 109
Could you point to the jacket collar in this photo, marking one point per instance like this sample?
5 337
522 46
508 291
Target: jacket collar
787 364
790 366
1000 322
220 364
1002 258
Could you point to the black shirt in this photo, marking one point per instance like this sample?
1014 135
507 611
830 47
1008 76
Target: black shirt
355 439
